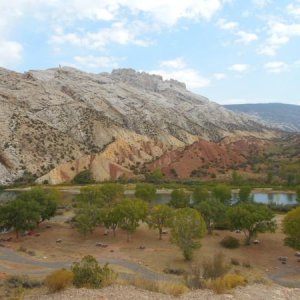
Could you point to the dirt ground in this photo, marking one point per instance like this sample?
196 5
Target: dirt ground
158 254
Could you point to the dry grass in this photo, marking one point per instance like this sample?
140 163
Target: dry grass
59 280
222 284
174 289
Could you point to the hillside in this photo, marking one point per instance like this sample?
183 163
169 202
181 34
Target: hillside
63 121
278 115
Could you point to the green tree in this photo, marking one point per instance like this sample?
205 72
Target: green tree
200 194
86 219
179 199
155 176
251 218
131 212
84 177
90 196
236 178
145 191
244 193
298 193
112 193
47 201
19 215
112 218
160 216
222 192
188 227
291 227
213 212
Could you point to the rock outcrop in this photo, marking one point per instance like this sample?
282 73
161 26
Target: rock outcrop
51 120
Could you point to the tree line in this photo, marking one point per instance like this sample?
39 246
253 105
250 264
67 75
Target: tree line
188 221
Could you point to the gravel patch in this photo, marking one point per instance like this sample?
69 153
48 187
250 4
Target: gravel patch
118 292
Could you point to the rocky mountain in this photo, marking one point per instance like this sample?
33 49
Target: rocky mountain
58 122
278 115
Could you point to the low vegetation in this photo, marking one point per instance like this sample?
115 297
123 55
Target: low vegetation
291 227
59 280
89 274
175 289
230 242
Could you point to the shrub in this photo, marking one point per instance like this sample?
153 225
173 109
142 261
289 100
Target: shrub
230 242
225 283
59 280
89 274
84 177
215 267
235 262
246 265
194 279
22 281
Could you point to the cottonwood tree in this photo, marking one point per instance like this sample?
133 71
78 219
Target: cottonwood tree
112 218
160 216
131 212
87 219
90 196
200 194
222 193
187 228
111 193
244 193
145 191
291 227
19 215
179 199
251 218
46 200
213 212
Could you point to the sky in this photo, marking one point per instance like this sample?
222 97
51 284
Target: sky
231 51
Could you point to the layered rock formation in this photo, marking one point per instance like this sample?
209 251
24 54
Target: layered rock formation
63 121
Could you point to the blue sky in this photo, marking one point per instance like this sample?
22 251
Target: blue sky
232 51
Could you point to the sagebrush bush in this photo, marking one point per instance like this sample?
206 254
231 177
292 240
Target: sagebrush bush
89 274
230 242
225 283
216 267
59 280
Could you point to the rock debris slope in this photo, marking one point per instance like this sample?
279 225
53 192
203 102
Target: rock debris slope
57 122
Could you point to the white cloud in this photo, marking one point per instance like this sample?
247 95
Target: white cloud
227 25
279 34
170 11
10 53
118 33
177 63
164 11
240 68
177 69
294 9
96 62
246 37
219 76
261 3
276 67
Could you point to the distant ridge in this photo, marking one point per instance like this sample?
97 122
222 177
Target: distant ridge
278 115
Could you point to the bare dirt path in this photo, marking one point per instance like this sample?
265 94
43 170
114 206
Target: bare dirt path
38 267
